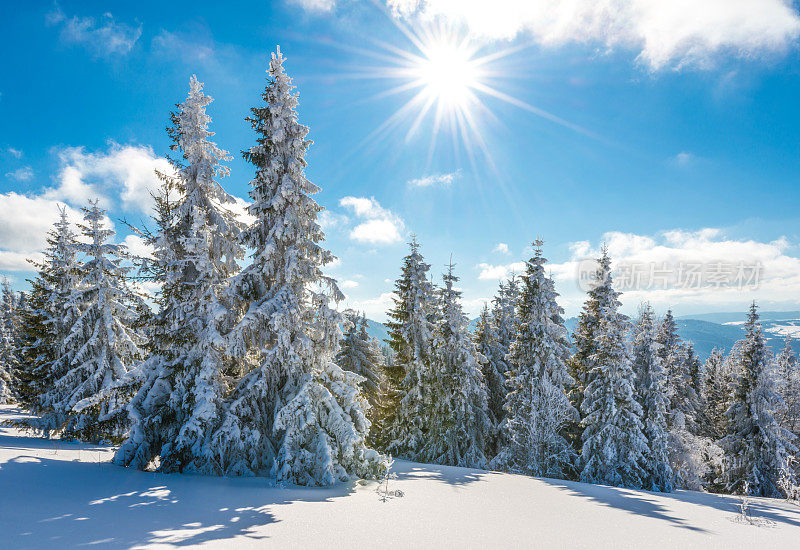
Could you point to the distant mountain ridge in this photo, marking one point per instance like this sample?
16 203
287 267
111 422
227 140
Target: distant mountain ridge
706 331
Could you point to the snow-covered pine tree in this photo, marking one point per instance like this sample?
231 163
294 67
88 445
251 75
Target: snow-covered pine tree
36 347
184 379
787 376
678 364
716 394
48 315
359 353
9 328
652 396
614 446
757 449
101 347
504 323
537 406
296 414
458 423
689 453
584 342
693 366
402 423
493 368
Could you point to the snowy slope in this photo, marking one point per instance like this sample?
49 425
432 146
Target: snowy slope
59 496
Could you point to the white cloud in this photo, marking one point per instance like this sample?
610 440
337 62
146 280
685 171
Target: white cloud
24 226
138 247
374 308
683 159
444 180
16 153
502 248
18 261
192 49
384 231
315 6
697 270
21 174
239 209
329 220
495 272
103 38
128 171
378 225
664 33
348 284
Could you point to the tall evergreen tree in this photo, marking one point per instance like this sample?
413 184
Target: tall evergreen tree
584 342
716 393
48 316
757 449
101 347
295 414
184 379
614 446
459 427
504 323
9 328
679 365
402 422
538 408
493 368
690 453
360 354
652 396
788 387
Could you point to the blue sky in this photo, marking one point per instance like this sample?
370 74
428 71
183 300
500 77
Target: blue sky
673 136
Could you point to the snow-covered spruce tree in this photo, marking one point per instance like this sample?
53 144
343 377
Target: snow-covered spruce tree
493 368
538 408
184 384
360 354
504 323
36 349
101 346
48 316
787 376
402 427
678 365
716 394
9 328
757 449
614 446
652 396
693 365
296 414
459 427
690 454
584 342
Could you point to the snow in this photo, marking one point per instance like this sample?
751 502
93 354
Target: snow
790 329
59 495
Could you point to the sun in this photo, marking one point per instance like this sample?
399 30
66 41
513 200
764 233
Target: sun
448 73
449 78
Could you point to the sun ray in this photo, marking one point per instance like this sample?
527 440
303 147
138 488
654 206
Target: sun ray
448 78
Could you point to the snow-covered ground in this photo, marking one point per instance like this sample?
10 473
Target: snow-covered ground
67 495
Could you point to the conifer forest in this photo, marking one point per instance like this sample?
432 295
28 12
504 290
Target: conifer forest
283 327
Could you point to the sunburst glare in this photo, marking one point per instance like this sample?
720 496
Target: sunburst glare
449 77
448 73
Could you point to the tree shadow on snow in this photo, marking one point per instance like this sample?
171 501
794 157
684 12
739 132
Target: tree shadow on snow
644 503
452 475
48 503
